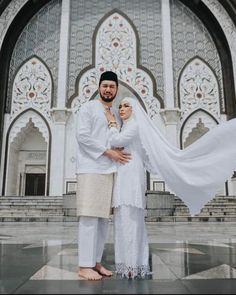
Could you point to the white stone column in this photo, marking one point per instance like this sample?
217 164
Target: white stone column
3 156
171 114
171 119
58 152
63 54
60 113
167 54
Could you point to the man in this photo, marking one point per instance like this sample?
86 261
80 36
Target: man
96 165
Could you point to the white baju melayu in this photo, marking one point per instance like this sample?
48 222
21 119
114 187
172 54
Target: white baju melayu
131 243
94 181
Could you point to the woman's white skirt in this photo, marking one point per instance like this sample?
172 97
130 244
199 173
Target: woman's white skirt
131 242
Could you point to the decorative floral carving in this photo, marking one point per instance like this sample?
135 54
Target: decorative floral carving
32 88
190 38
116 51
198 89
83 26
40 37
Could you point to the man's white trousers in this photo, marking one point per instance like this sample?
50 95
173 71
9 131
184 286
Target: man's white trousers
91 240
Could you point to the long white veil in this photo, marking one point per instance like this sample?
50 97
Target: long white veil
195 173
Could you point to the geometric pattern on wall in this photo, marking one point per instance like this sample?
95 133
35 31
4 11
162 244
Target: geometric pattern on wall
190 38
84 20
41 38
32 88
116 50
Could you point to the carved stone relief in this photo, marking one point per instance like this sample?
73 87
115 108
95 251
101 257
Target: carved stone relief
32 88
116 51
198 89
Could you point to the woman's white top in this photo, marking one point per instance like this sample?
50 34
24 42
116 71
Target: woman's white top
92 135
130 180
196 172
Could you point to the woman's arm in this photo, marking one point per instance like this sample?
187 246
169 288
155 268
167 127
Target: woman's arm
124 137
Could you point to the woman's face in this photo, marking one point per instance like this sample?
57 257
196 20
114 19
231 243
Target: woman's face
125 110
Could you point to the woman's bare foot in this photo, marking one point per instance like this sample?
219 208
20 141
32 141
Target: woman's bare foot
89 274
102 270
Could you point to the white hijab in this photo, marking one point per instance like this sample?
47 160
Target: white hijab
195 173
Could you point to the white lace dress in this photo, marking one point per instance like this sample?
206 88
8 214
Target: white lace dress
131 242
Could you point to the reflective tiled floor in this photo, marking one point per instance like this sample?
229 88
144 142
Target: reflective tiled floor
186 258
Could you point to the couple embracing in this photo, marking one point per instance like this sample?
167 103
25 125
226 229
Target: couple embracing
115 148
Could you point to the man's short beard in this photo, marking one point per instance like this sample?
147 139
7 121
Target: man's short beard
107 99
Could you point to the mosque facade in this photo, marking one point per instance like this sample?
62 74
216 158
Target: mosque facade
176 57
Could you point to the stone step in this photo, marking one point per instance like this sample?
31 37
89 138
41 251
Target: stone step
32 210
38 219
224 197
31 198
32 214
222 205
218 209
30 203
22 206
191 219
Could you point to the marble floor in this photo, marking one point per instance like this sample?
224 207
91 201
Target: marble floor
185 258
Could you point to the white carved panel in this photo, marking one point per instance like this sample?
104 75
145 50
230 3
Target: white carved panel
32 88
116 51
198 89
116 45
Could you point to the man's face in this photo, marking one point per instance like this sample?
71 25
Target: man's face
108 90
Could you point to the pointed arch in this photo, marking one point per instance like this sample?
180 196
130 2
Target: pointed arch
219 35
195 125
120 55
33 117
32 88
198 88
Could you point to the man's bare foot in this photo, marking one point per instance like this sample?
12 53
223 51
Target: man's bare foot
89 274
102 270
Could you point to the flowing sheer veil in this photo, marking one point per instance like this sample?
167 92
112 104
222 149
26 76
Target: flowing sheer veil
195 173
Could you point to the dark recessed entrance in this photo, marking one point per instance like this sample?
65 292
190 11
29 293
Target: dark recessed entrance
35 184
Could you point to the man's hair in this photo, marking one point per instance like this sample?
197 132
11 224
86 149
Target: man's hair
110 76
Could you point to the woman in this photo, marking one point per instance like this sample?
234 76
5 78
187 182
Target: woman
194 174
131 244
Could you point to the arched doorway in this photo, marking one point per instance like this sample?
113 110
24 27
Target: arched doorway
27 157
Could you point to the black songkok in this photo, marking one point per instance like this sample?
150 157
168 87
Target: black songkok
108 75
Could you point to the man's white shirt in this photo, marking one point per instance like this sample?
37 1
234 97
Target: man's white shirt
92 135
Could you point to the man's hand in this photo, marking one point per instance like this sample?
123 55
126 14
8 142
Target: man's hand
118 155
110 117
